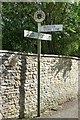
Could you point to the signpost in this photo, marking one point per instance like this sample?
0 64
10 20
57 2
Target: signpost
39 16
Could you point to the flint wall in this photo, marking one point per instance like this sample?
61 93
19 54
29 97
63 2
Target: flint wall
18 83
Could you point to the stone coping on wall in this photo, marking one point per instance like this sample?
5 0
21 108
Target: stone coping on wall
42 55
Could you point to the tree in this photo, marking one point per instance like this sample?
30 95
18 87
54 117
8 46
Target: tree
19 16
15 20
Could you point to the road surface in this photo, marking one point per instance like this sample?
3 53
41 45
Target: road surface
68 110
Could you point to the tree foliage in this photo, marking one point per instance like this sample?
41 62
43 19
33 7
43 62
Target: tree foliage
18 16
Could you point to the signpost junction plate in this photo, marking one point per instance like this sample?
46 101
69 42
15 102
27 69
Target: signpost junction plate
36 35
49 28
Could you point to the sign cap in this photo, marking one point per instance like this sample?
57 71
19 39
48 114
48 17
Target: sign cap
39 16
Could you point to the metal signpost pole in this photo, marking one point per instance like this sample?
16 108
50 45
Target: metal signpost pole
39 52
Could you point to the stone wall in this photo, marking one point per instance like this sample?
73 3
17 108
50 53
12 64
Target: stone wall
18 83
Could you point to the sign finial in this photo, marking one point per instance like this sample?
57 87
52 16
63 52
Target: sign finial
39 16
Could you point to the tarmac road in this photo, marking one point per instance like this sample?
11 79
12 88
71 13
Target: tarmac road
68 110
